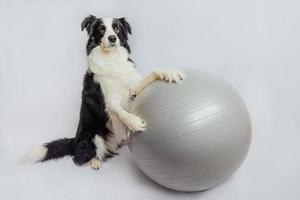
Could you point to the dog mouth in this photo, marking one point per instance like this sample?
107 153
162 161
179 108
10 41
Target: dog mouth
108 46
112 44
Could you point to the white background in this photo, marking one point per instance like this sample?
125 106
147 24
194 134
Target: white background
252 44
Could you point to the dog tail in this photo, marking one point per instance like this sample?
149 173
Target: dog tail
51 150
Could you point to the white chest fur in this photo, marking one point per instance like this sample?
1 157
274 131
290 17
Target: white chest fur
116 75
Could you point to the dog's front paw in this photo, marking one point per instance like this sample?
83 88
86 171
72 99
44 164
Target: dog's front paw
170 75
95 164
134 123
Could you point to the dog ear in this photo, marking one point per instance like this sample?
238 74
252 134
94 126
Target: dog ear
125 24
88 23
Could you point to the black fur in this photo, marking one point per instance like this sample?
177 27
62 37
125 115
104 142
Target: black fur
59 148
93 119
125 28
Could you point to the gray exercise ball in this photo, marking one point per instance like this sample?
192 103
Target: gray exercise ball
198 132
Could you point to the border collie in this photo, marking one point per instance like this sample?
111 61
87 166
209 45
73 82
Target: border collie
109 85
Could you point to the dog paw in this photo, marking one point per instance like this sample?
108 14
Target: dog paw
95 164
170 75
134 123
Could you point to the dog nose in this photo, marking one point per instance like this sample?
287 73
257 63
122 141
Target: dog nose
112 38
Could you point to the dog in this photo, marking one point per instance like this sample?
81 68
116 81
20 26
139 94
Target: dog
110 84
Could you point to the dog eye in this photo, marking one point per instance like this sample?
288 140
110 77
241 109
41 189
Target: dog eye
116 30
102 31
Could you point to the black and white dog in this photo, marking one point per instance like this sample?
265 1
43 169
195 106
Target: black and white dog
110 82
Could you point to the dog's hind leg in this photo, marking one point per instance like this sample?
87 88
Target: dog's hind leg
95 163
101 151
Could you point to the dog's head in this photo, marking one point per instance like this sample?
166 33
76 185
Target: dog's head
108 33
84 151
